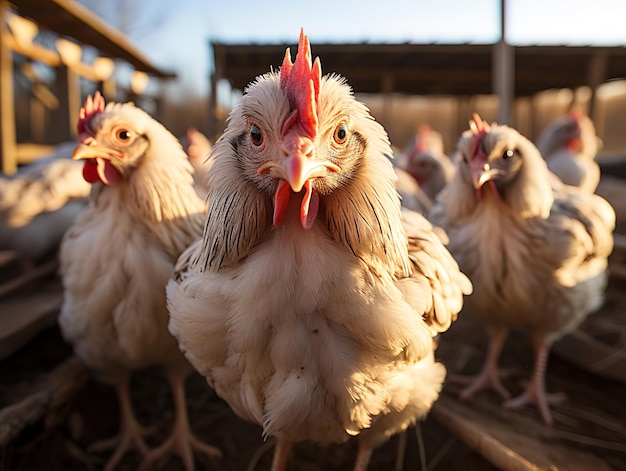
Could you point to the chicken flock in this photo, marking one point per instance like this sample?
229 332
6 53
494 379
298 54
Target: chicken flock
300 284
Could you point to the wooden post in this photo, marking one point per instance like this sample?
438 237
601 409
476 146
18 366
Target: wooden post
596 74
387 88
503 72
108 88
8 148
215 76
63 125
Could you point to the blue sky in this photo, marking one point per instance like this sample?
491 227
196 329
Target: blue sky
180 43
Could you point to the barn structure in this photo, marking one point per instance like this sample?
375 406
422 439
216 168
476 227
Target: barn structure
75 27
513 74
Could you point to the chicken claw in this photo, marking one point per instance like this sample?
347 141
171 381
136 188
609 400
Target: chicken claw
131 432
181 440
535 393
489 376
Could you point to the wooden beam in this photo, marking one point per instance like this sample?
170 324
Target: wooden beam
33 51
8 159
70 18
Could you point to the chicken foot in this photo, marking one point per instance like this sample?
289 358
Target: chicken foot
131 432
489 376
535 392
181 440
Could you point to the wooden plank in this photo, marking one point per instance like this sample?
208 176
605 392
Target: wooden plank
51 393
7 257
462 423
510 441
590 425
25 314
31 275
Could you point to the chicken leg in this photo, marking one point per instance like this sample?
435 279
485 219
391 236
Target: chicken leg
281 454
489 375
131 433
535 392
363 455
181 440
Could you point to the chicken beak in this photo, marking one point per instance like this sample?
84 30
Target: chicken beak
298 162
481 175
98 166
89 150
296 166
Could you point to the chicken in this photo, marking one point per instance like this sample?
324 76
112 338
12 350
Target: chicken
311 302
570 146
425 160
117 257
198 149
411 194
38 204
536 250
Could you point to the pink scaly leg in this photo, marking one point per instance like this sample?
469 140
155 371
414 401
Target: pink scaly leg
131 433
363 456
535 392
181 440
281 454
488 376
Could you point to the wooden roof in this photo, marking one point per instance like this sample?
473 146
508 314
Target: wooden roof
446 69
69 18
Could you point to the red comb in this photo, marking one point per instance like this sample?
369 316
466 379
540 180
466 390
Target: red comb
423 134
90 108
479 129
301 83
576 114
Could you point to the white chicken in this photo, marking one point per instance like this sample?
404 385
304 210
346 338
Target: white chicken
311 302
116 258
38 204
198 149
411 194
536 250
424 158
570 146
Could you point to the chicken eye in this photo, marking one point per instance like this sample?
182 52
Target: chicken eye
124 134
256 135
341 133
